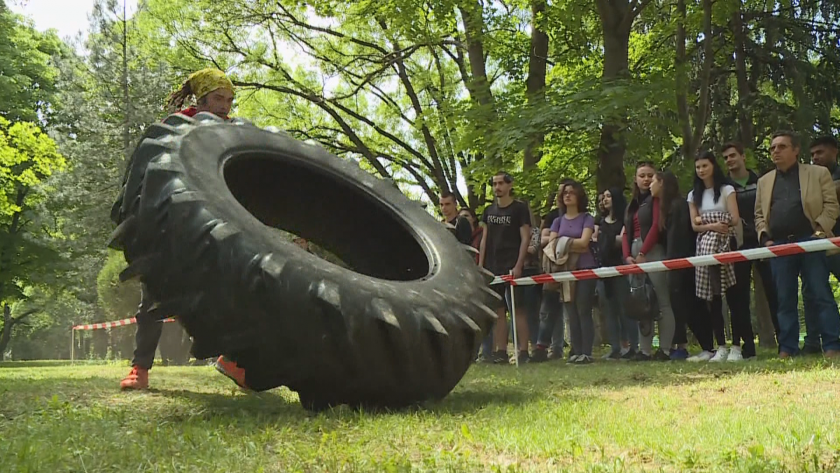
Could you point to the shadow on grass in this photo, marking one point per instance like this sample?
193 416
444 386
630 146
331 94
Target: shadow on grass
256 405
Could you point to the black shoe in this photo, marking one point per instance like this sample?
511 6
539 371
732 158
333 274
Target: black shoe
811 350
629 356
661 356
613 356
539 355
641 357
500 358
556 355
523 357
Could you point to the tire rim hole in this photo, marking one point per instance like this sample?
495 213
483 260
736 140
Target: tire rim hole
327 209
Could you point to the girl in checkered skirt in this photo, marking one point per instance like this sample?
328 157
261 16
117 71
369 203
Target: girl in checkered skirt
714 214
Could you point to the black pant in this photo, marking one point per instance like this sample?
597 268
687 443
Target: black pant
738 298
695 310
714 311
763 268
148 333
709 326
683 301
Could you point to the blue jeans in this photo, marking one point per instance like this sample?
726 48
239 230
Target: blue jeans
579 312
613 292
815 287
812 324
552 327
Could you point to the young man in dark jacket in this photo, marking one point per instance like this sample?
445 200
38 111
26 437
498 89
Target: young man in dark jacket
823 153
744 181
449 209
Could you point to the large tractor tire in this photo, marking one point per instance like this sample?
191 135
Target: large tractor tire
197 222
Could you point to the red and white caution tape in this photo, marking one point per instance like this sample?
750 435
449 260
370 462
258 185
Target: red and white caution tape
730 257
116 323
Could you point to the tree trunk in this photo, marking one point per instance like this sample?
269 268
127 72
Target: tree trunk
100 337
472 15
535 84
9 323
693 130
744 92
611 150
617 18
681 87
6 333
126 102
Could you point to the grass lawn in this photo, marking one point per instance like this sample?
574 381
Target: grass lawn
766 416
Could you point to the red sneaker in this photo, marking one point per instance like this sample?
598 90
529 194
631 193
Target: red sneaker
138 378
232 371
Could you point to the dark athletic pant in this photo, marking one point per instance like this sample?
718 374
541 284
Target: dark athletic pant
738 298
148 333
685 304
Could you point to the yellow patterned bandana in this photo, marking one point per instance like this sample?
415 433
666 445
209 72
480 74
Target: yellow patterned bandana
207 80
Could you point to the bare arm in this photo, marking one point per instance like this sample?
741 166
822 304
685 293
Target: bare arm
545 236
524 240
692 209
698 227
581 245
732 205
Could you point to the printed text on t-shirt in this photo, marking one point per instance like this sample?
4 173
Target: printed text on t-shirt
499 219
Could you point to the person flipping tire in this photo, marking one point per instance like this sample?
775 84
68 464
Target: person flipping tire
213 92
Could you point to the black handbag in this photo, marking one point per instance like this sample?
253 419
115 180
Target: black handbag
642 304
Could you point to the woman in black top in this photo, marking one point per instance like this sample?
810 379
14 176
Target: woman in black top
680 242
623 331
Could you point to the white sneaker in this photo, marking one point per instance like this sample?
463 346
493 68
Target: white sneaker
704 355
735 355
720 355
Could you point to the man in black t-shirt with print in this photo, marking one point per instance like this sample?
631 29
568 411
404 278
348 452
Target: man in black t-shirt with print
504 246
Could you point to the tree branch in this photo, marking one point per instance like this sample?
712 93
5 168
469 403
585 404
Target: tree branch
705 78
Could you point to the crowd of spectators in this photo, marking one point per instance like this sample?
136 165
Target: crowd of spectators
722 211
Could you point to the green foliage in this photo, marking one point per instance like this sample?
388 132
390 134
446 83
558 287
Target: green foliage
28 158
119 300
27 75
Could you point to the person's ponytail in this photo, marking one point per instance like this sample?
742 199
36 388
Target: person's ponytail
176 99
